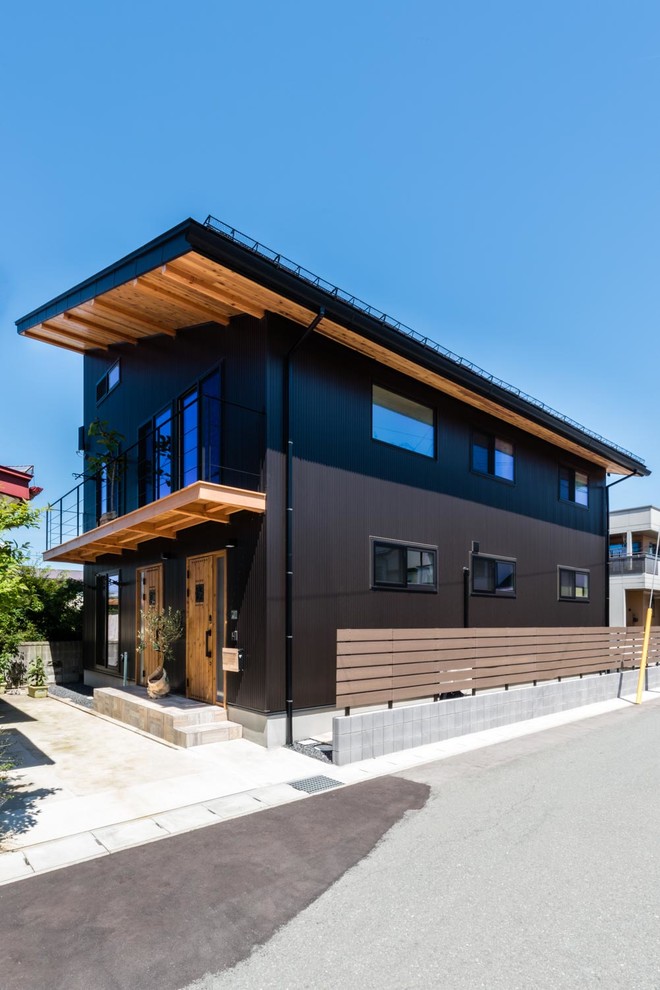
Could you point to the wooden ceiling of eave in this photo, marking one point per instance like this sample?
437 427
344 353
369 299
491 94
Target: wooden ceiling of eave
192 289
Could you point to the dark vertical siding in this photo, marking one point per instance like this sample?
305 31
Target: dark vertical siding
348 488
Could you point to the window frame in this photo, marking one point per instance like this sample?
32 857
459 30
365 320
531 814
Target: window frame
496 559
103 387
584 599
492 440
408 398
101 659
404 546
572 471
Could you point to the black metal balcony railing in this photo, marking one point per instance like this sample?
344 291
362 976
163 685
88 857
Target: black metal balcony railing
205 440
636 563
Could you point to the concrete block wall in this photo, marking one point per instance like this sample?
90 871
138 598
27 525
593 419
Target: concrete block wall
376 733
63 661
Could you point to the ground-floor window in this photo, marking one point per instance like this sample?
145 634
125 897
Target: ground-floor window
573 584
404 566
493 576
107 621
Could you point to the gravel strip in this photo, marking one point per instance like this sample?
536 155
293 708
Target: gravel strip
317 750
82 694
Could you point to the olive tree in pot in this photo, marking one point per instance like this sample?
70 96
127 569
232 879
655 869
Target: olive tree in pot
160 630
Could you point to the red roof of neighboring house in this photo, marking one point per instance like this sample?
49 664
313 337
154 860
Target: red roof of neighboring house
15 482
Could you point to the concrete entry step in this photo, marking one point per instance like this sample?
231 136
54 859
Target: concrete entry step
197 735
175 719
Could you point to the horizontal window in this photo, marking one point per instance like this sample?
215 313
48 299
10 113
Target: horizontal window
402 422
573 486
492 455
109 381
493 576
402 566
573 584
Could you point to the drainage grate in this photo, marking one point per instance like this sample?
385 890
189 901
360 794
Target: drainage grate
314 784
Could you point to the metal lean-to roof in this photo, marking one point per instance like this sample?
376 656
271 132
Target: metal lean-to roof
208 273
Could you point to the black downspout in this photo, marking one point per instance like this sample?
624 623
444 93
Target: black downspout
607 540
288 592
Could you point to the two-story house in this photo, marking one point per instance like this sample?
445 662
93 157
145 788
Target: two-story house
289 462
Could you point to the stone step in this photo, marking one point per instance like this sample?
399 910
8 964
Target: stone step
211 732
171 718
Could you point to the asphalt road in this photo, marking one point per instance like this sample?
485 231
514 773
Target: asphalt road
161 915
534 864
530 864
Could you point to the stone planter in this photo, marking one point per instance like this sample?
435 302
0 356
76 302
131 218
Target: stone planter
38 690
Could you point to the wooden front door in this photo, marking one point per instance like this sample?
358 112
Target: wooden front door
200 628
149 585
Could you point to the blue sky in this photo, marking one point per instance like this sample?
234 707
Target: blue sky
486 172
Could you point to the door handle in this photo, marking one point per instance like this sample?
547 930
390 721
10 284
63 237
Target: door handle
208 648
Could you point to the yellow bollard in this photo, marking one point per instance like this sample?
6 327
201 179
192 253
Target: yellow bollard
645 653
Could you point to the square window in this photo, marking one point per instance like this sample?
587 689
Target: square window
404 567
573 584
402 422
493 576
494 456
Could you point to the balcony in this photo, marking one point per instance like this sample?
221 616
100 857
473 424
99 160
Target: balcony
636 563
200 464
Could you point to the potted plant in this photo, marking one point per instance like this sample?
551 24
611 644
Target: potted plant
160 629
14 671
37 687
4 669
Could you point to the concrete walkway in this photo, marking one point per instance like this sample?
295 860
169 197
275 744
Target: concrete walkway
86 786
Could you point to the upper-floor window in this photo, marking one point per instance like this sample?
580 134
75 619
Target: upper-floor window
573 486
402 422
110 380
492 455
180 446
573 584
493 576
403 566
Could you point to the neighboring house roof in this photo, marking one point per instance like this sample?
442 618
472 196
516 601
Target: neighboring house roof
200 273
15 482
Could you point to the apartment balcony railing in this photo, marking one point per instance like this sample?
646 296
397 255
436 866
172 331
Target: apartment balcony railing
212 441
636 563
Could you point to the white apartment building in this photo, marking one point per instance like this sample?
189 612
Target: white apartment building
634 535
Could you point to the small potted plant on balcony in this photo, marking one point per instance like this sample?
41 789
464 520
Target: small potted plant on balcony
160 629
37 687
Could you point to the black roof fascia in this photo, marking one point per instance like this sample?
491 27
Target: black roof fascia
246 262
190 234
162 249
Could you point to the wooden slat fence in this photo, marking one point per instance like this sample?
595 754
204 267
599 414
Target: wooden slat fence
375 666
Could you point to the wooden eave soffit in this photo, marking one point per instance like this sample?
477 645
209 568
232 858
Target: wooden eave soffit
192 290
198 503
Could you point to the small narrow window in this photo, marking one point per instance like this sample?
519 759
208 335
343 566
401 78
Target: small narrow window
493 576
573 584
573 486
401 566
402 422
109 381
492 455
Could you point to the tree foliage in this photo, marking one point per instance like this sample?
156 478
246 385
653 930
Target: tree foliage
15 592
